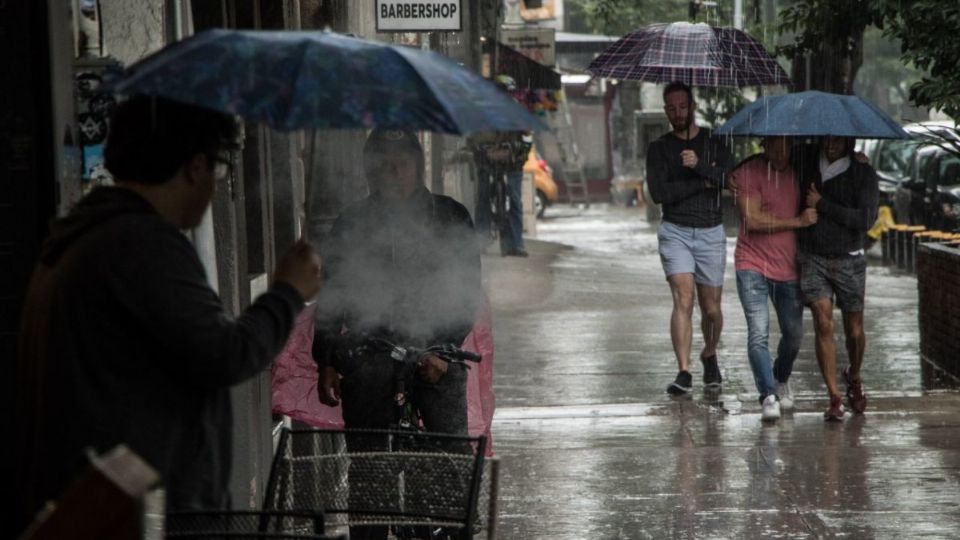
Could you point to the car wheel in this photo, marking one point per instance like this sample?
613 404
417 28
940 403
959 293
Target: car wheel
540 204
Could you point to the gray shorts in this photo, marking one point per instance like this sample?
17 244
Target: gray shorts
692 250
842 279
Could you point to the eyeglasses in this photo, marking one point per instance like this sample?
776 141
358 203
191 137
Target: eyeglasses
222 166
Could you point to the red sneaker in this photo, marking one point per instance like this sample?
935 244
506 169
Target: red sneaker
835 412
855 396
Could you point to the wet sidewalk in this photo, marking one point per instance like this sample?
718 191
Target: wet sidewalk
593 447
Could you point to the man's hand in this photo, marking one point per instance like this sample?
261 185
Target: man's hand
328 386
689 158
431 368
808 217
861 157
732 183
813 196
300 267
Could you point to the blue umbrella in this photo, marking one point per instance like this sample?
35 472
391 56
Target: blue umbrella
813 113
297 80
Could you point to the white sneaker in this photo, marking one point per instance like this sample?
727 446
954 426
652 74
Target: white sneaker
785 395
771 409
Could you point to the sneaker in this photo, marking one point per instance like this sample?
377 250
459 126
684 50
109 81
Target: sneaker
516 252
785 395
711 371
771 409
683 384
835 412
855 396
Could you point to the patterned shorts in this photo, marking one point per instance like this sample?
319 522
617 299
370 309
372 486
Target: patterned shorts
842 279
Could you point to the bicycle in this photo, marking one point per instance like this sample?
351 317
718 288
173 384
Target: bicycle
405 470
406 361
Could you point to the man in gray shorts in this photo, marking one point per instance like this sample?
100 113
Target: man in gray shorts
831 256
686 169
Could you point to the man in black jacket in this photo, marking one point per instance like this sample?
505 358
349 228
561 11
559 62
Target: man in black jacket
845 193
122 339
401 265
686 169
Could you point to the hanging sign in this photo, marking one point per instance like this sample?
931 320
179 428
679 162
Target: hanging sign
419 15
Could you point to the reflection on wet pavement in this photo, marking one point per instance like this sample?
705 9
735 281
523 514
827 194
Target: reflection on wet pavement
592 447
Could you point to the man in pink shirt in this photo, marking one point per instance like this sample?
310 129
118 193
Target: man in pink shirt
768 197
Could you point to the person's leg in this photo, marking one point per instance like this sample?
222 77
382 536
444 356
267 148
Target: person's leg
675 244
710 260
482 214
681 318
850 287
711 318
822 311
753 289
856 341
515 214
817 291
789 308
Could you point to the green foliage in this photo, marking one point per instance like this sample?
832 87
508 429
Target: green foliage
617 17
929 32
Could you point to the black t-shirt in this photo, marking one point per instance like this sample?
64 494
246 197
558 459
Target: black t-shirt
690 197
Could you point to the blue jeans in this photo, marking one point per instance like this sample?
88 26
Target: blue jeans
515 213
754 290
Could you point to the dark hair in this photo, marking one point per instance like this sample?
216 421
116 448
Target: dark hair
678 86
150 138
387 141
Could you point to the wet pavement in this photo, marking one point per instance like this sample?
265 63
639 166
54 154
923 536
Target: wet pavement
593 447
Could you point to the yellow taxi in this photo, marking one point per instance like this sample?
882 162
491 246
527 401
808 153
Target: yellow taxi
545 187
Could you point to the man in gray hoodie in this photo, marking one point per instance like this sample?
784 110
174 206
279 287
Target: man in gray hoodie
122 339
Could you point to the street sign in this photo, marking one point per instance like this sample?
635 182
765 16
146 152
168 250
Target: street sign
536 43
419 15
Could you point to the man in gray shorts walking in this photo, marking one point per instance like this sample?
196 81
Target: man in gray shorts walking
831 256
686 169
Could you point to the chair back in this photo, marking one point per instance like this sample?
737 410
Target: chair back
379 477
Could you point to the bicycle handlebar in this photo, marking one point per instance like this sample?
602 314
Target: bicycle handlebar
412 355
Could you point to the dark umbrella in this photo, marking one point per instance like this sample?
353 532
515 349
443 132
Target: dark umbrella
696 54
295 80
813 113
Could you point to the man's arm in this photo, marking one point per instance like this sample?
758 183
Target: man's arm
756 220
716 169
166 289
663 190
864 215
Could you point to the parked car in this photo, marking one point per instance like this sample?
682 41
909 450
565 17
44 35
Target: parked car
545 188
931 196
898 167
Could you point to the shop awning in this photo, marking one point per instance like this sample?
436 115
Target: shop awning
526 71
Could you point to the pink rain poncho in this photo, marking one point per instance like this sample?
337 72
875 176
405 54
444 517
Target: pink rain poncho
294 378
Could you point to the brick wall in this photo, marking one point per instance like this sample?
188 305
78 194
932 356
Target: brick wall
938 281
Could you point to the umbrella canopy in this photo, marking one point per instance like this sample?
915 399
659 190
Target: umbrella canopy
526 71
695 54
813 113
297 80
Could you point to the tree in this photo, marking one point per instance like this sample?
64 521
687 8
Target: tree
929 32
827 49
617 17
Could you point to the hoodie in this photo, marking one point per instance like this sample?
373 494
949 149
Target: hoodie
123 340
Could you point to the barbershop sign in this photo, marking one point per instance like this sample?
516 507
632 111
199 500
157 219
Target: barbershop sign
418 15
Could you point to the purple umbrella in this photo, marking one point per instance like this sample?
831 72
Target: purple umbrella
696 54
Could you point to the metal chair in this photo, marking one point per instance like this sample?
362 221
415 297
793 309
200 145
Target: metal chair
380 478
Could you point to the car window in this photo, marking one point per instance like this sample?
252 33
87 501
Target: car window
894 157
949 170
928 168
